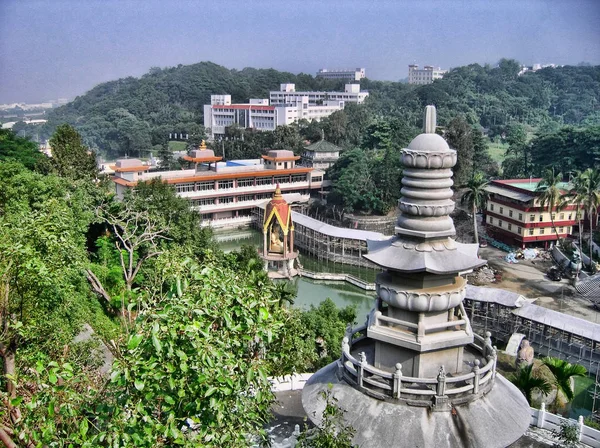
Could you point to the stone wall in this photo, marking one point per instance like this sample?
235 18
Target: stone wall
382 224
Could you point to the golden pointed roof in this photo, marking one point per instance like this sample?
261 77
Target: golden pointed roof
279 209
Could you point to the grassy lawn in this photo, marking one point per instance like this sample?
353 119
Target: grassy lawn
497 151
177 146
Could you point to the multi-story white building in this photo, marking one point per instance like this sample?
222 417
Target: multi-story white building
225 193
287 94
285 107
351 75
426 75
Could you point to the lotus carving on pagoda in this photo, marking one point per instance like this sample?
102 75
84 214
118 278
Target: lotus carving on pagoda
421 302
428 160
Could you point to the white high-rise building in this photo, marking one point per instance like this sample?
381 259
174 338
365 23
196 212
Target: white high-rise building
285 107
351 75
426 75
287 94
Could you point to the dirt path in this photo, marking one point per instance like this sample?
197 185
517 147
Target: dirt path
528 278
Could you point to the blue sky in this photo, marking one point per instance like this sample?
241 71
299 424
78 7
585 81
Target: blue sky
62 48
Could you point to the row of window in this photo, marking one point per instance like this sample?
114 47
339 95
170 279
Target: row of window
561 216
245 182
531 231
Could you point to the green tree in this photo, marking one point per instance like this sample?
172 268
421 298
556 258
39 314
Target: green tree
325 326
577 195
563 373
173 213
19 149
552 197
70 158
287 137
353 185
588 195
481 156
516 163
166 159
458 136
137 236
43 220
527 382
475 198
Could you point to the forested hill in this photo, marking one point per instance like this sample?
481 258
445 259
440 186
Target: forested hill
139 112
132 114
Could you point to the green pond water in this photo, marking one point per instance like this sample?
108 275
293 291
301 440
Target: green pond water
313 292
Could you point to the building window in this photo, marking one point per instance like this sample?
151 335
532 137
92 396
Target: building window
299 178
203 186
490 220
520 216
492 207
248 182
509 226
542 231
553 217
317 179
562 216
510 213
501 210
245 197
531 231
225 184
519 230
184 188
561 230
569 218
532 217
263 181
226 200
541 218
499 223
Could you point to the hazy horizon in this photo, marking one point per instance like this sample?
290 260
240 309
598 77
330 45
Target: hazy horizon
55 49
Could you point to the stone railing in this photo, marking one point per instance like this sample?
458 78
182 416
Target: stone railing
419 330
439 392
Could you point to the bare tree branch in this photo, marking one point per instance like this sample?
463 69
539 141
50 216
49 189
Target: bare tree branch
97 285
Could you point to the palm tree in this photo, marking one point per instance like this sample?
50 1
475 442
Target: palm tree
475 197
590 199
563 371
527 382
552 198
576 195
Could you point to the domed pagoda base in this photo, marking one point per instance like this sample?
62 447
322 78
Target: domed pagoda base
494 420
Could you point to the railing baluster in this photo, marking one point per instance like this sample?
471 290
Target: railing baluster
397 381
476 377
360 372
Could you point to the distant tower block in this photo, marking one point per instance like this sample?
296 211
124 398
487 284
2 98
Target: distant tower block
278 238
415 375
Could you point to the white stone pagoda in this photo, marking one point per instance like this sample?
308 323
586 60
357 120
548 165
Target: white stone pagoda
415 375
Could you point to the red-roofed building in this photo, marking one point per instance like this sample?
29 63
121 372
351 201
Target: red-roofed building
225 193
513 214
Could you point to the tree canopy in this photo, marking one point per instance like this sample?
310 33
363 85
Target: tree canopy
130 115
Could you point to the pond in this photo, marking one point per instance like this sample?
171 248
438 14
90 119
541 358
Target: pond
313 292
